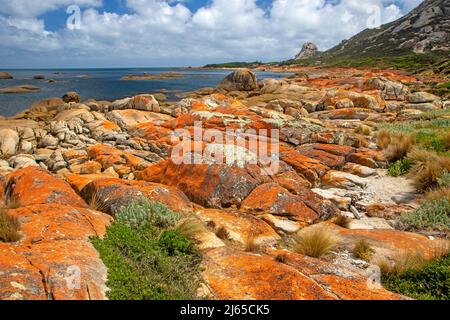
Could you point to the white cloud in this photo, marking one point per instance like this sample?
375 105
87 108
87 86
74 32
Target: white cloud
168 32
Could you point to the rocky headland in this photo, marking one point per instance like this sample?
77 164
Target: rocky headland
69 168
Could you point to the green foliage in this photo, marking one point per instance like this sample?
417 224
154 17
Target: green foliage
142 212
429 283
431 215
399 167
147 261
176 244
430 130
444 180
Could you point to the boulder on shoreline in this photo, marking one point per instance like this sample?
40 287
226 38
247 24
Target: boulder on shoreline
71 97
39 77
5 75
241 80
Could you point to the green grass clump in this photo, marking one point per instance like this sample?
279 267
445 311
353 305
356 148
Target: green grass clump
399 168
432 282
147 258
431 215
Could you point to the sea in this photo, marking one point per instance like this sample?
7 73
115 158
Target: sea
106 84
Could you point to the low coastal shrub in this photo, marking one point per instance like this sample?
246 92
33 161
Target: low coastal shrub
430 282
316 242
142 212
147 257
9 227
431 215
399 168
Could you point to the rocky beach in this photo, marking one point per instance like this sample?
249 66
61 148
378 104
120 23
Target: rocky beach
63 155
322 177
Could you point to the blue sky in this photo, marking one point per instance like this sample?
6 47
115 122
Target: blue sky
126 33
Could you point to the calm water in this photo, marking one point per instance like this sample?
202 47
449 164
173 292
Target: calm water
105 84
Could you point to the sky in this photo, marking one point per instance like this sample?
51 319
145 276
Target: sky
156 33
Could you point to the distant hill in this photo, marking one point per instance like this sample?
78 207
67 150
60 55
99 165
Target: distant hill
418 41
424 29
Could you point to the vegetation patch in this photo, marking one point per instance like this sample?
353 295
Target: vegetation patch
431 215
399 168
147 257
431 282
316 242
9 227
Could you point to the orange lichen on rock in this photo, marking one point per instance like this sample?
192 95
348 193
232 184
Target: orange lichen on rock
116 194
241 227
233 275
34 185
110 157
342 283
271 198
55 222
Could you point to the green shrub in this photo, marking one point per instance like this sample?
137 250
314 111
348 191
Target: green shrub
431 215
146 260
431 282
399 167
444 179
176 244
142 212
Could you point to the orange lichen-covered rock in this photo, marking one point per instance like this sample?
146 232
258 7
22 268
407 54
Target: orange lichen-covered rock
342 283
69 269
234 275
116 194
390 244
110 157
368 158
273 199
19 279
343 180
210 185
329 159
34 185
88 167
311 169
345 114
241 227
54 222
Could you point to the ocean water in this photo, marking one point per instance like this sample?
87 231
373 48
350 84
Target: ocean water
106 84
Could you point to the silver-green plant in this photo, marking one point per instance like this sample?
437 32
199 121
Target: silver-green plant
142 212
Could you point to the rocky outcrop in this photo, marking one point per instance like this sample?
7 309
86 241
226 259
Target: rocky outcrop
71 97
241 80
424 29
53 260
309 50
5 75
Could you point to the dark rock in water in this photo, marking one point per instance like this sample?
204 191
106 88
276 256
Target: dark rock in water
39 77
71 97
5 75
241 80
309 50
19 89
